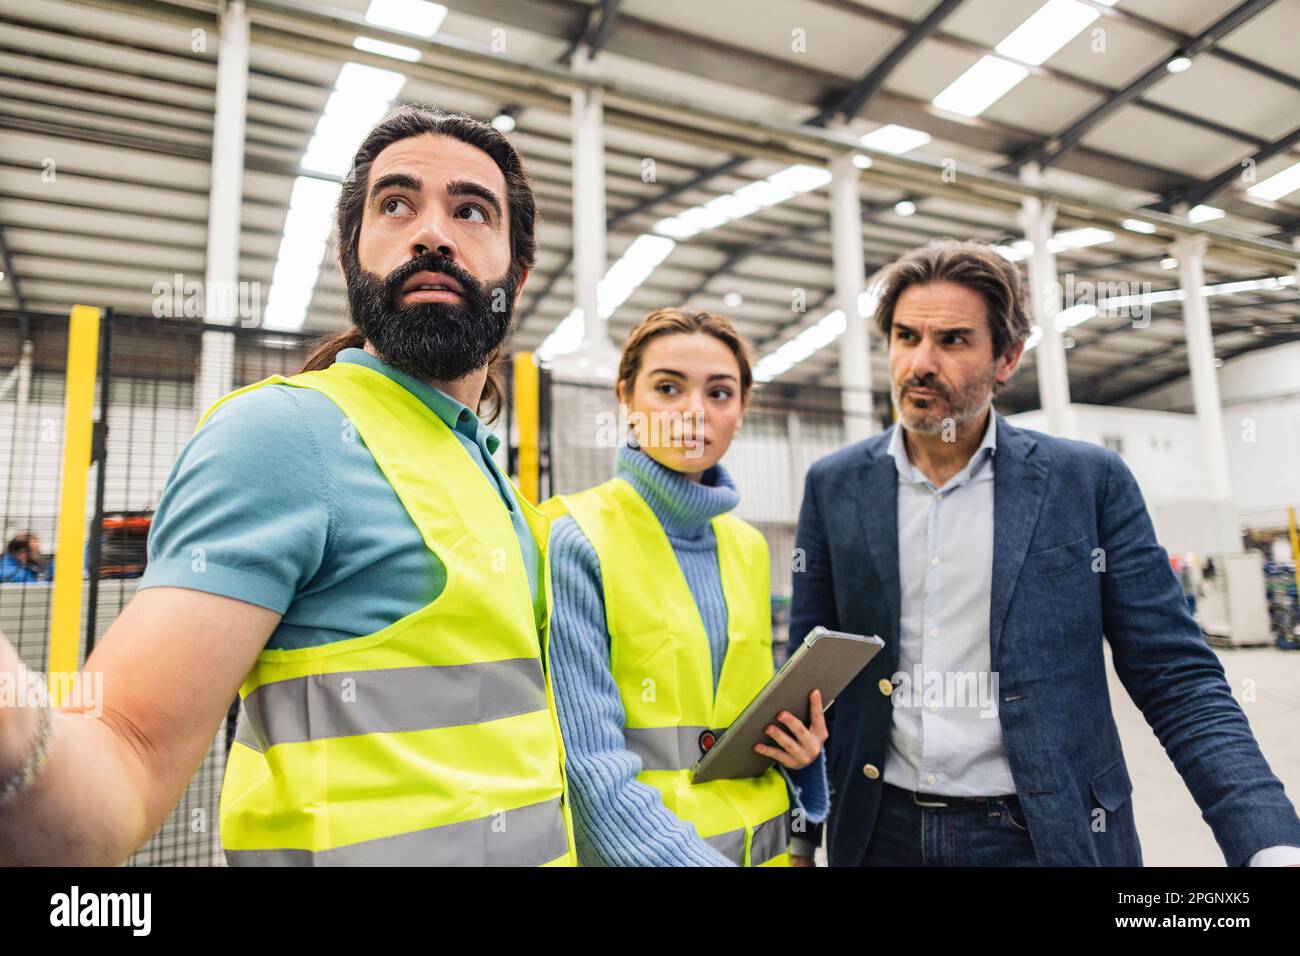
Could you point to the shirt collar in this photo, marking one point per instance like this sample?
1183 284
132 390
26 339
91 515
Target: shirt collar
454 414
908 472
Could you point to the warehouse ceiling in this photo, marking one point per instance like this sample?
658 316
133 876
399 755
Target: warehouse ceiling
107 112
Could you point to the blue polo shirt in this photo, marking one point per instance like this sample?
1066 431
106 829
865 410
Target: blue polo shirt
276 501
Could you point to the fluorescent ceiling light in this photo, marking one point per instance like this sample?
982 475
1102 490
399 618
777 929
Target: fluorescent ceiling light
302 247
1278 185
904 207
981 86
895 139
1204 213
862 161
1051 27
1169 263
633 268
1138 225
763 192
675 228
732 299
364 83
782 185
701 218
361 96
565 337
812 339
395 50
1075 315
730 206
1083 238
407 16
800 178
504 123
1179 64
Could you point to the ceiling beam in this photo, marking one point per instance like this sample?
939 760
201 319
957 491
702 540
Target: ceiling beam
1064 140
850 103
1209 188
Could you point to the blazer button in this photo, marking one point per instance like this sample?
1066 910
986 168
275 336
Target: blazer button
886 687
871 771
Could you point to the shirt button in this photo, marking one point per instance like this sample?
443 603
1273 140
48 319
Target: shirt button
871 771
934 562
886 687
934 632
934 708
939 495
930 780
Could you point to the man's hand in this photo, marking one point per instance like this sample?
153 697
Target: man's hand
797 751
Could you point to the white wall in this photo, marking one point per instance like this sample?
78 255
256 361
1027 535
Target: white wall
1260 392
1163 451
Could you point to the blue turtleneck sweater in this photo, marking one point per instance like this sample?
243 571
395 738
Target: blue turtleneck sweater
618 820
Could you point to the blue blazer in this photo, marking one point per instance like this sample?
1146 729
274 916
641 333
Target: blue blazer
1055 501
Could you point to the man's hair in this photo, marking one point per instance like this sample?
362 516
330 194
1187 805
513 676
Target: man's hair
19 543
971 264
403 123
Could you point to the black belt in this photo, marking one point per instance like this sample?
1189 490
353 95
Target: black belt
943 800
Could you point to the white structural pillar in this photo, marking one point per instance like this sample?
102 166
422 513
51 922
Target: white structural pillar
1038 218
855 343
1190 253
225 197
596 355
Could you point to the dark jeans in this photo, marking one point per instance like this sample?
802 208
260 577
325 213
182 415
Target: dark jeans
991 832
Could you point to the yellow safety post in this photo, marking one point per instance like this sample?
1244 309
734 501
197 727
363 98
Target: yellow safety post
1295 549
526 411
65 616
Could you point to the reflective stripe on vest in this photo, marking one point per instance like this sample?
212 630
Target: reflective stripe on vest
661 663
435 740
320 706
536 835
665 748
771 838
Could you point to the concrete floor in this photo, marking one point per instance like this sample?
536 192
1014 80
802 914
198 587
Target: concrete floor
1169 822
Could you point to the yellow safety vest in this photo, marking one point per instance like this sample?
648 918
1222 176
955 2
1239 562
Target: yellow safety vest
435 740
660 661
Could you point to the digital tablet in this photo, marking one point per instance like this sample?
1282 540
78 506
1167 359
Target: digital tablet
826 661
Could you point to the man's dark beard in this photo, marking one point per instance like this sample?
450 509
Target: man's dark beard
437 341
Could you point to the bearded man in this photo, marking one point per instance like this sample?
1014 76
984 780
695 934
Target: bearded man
340 549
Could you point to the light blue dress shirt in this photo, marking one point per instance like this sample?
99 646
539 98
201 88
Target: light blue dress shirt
946 737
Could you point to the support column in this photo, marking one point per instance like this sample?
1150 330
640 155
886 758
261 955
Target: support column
1190 253
595 356
1037 219
855 343
225 197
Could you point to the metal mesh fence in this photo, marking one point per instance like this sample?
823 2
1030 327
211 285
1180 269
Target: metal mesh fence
784 432
156 376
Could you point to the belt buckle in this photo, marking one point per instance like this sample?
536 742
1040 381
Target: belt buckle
924 803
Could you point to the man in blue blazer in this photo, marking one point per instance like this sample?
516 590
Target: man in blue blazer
993 561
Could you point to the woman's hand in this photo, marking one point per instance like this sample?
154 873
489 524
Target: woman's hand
803 743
